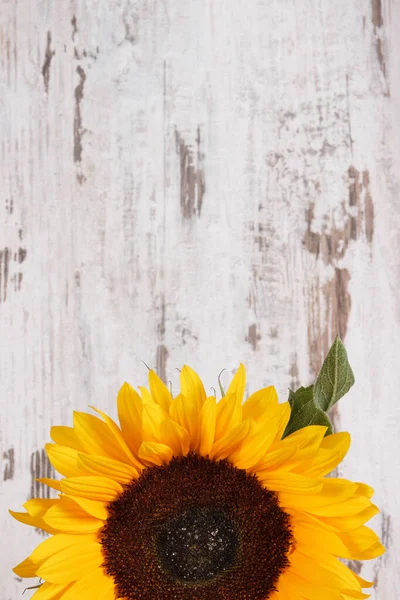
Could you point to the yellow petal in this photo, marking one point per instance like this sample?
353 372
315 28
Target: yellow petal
23 517
208 417
51 591
153 416
94 508
258 405
92 487
66 516
174 436
308 590
311 458
363 582
154 453
63 459
58 542
95 586
183 411
280 481
362 543
159 391
37 507
26 568
346 508
339 442
354 521
256 445
348 580
36 510
147 398
238 384
334 491
306 440
346 595
109 467
192 387
65 436
96 437
224 447
26 519
229 415
329 569
321 464
130 416
51 483
274 460
364 490
313 571
123 449
72 563
282 413
310 535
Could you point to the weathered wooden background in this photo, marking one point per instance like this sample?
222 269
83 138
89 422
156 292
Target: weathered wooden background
210 181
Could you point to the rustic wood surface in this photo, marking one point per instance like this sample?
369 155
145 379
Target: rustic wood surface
209 182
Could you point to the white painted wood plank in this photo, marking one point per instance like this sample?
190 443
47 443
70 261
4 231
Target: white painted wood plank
209 182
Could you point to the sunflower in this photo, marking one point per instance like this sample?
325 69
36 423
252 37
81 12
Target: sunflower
194 499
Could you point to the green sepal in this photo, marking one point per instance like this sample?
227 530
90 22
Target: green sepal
335 377
220 384
305 412
32 587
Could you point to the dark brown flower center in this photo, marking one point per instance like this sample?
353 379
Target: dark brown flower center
198 544
196 529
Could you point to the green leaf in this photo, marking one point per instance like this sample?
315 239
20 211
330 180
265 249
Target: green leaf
335 377
305 412
300 398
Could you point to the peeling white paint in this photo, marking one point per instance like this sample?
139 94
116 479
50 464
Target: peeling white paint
287 96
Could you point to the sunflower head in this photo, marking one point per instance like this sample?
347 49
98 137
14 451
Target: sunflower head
188 498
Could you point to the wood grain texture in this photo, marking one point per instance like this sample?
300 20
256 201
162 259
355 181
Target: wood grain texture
203 182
